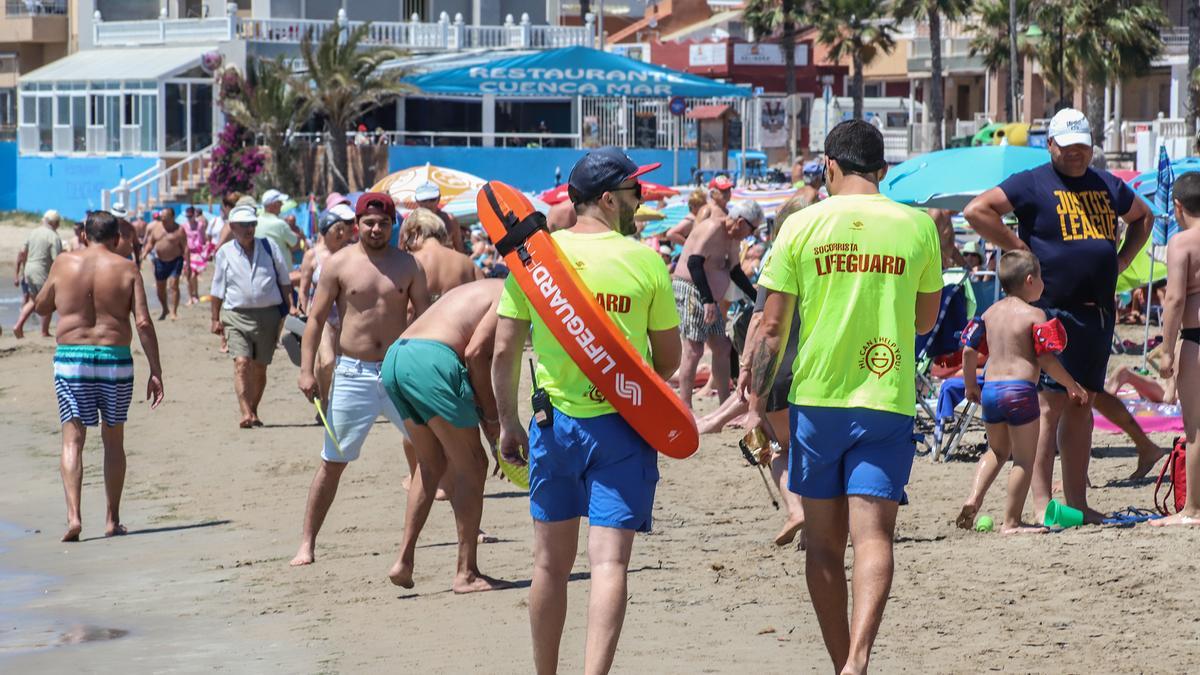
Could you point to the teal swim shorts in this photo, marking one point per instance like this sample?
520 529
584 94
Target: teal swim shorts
426 379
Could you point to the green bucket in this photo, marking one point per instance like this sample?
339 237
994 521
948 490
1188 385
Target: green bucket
1061 515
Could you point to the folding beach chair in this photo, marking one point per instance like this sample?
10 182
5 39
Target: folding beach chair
955 414
957 308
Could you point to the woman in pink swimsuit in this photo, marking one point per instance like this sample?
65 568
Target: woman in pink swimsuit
198 252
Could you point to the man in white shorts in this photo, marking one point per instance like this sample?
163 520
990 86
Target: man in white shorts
383 281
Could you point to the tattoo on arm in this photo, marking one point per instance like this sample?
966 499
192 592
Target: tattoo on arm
762 368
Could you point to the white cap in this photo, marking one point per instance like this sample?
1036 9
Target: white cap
1070 127
51 216
747 209
426 191
243 214
342 211
271 196
118 210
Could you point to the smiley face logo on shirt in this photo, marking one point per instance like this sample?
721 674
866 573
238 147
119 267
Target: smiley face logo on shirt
878 356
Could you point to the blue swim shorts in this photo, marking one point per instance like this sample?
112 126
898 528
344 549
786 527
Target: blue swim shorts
1012 402
850 451
596 467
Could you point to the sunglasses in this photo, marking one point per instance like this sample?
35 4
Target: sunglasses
636 187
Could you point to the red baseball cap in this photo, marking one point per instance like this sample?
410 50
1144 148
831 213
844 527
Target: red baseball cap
375 202
720 183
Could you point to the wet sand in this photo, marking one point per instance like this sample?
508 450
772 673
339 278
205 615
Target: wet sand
202 582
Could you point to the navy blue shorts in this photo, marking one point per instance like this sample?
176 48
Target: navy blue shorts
596 467
1089 344
1013 402
166 270
850 451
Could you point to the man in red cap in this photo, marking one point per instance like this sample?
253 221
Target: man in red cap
383 281
720 191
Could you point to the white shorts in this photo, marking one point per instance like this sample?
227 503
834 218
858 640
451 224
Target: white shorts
357 399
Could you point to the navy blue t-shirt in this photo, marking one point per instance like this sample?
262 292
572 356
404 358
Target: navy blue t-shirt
1070 224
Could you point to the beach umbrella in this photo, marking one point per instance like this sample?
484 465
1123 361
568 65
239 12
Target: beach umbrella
768 197
1146 184
653 192
950 179
645 214
554 195
452 182
465 211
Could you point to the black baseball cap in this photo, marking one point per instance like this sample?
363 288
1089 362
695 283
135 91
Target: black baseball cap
602 170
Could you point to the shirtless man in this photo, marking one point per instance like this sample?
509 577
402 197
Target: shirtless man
94 291
425 236
1181 319
951 256
167 242
336 228
561 216
812 179
372 285
720 191
710 264
429 196
438 374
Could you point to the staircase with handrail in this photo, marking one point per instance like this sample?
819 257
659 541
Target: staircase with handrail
160 184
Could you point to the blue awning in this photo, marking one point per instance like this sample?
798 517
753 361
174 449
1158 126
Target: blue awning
573 71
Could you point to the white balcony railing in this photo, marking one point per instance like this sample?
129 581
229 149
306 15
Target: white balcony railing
1175 39
444 35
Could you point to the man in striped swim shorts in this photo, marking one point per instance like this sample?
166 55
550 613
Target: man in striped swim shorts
94 291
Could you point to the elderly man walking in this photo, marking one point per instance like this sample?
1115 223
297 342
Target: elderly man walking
251 293
33 266
1067 214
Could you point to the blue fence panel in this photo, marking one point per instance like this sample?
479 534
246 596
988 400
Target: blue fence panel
531 169
8 175
71 184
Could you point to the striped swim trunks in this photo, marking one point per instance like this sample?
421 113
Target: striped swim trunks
93 381
691 313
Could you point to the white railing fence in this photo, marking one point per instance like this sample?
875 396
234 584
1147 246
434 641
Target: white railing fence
159 183
446 34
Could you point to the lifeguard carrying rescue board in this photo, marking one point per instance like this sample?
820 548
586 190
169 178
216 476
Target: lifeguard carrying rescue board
584 330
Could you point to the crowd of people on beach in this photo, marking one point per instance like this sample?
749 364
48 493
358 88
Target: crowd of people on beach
808 321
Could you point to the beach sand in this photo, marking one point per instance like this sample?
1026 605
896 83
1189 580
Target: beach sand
202 581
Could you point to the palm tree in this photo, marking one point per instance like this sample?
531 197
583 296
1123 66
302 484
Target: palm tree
345 82
1102 40
990 38
766 17
934 12
858 29
268 103
1194 66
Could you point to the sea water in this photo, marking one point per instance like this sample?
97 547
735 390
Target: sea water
22 632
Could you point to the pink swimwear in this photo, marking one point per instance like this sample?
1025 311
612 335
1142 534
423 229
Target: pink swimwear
198 252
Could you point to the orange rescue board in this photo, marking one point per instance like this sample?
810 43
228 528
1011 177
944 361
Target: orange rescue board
585 331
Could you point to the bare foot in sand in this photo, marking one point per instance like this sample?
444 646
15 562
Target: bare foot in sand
1146 461
174 316
115 530
485 538
246 423
73 530
1092 517
401 574
1024 528
163 315
788 534
303 557
475 582
1181 519
224 347
966 517
20 333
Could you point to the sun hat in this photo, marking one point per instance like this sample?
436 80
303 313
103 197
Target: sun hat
243 215
426 191
271 196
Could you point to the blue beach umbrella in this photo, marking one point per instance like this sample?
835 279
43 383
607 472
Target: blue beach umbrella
1146 184
950 179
